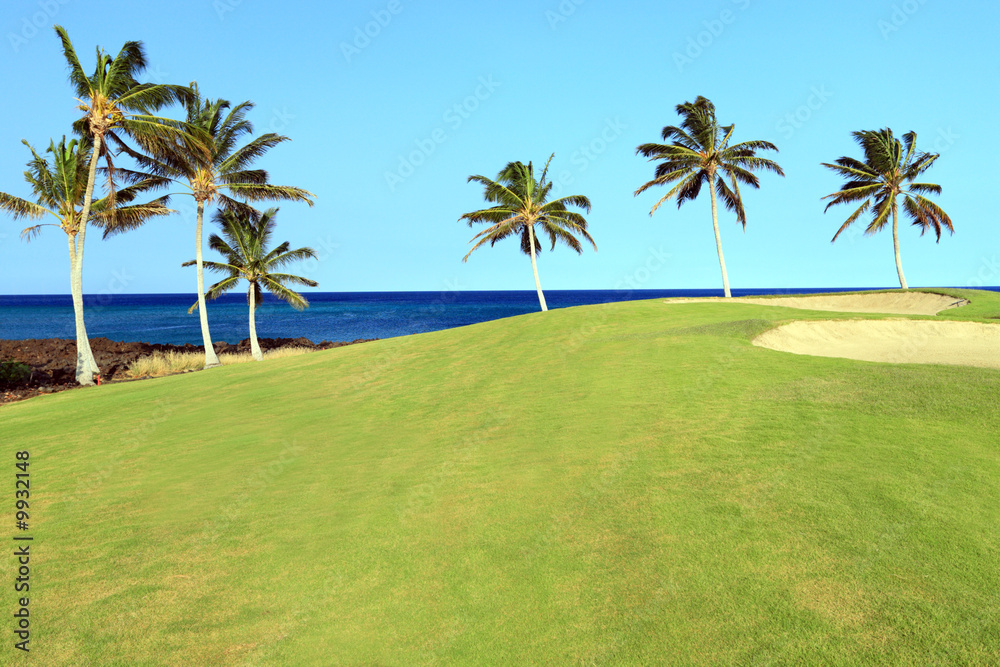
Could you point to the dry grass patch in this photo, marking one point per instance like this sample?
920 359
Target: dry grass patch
159 364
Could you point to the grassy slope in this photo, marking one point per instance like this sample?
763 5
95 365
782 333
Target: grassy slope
627 483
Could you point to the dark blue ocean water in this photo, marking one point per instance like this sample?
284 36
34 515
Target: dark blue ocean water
335 316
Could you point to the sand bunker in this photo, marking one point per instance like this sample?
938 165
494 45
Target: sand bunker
894 341
898 303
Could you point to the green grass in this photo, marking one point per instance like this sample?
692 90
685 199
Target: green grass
629 483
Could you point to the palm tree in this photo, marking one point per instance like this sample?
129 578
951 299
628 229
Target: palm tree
521 204
245 248
700 154
217 167
888 170
60 187
115 103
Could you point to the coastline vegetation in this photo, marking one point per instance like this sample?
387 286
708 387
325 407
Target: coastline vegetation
203 153
202 150
159 364
59 182
218 170
244 244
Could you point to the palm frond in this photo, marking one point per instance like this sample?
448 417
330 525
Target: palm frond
248 154
218 289
701 151
692 187
682 186
880 214
854 216
21 208
731 200
926 214
887 167
288 279
30 233
924 188
289 256
852 194
77 77
255 192
294 299
126 218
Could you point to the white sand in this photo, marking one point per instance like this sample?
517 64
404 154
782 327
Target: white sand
895 341
899 303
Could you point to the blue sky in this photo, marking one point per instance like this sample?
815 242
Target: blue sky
386 127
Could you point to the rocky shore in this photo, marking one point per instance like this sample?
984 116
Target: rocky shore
53 360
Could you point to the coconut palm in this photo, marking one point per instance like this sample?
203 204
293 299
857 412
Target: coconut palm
116 105
245 248
219 171
520 205
59 186
888 170
700 153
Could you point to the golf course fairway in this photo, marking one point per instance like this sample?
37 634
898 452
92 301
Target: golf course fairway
629 483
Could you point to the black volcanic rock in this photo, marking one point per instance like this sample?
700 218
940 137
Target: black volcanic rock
53 360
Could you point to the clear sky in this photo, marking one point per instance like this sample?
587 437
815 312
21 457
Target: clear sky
386 127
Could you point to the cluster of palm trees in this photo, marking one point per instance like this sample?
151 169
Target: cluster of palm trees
203 153
700 152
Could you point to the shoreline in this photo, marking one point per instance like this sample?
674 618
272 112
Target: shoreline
53 360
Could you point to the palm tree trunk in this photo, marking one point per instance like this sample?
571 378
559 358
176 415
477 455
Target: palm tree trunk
534 267
895 245
718 238
211 359
78 283
86 366
254 345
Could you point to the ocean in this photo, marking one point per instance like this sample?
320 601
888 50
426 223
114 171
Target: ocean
333 316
